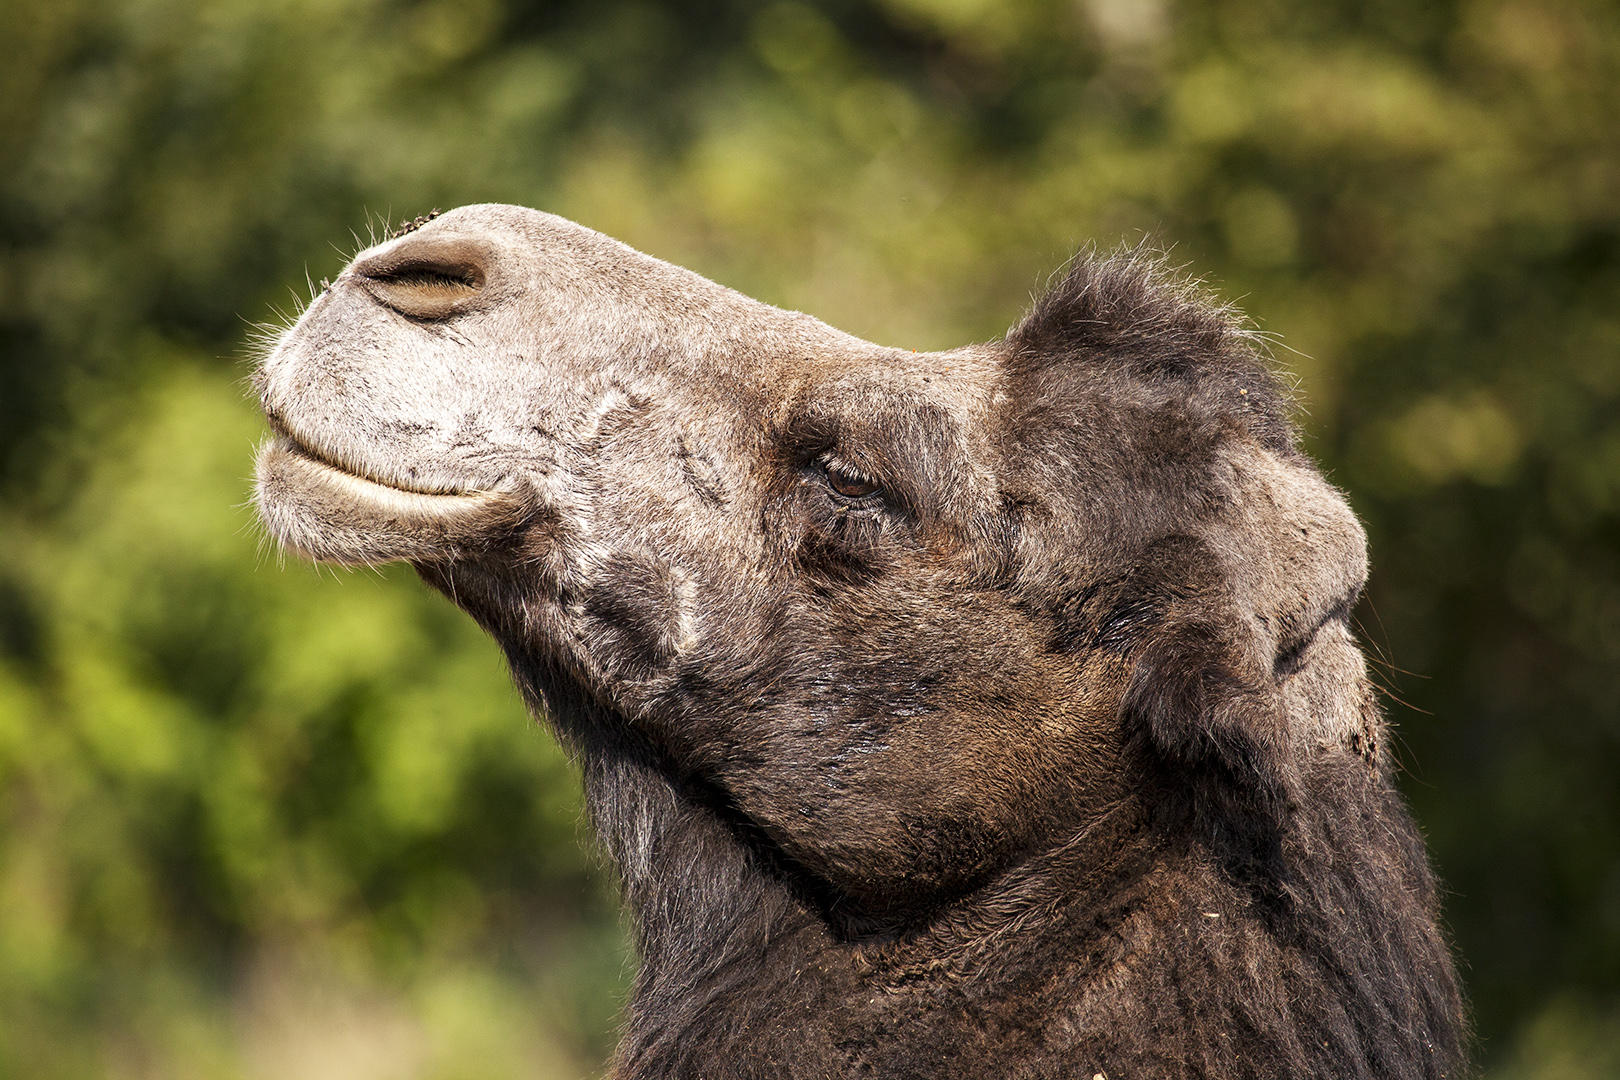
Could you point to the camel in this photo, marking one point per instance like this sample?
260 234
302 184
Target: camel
983 713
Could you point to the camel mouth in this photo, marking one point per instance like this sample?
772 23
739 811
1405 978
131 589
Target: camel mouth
287 441
315 463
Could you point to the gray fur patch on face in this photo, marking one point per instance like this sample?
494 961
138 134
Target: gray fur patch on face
703 474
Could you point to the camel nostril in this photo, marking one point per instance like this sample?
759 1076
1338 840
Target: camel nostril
426 277
429 275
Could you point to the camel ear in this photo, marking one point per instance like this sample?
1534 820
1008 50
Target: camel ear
1199 691
1237 610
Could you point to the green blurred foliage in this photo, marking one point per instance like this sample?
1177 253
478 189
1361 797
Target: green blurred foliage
261 820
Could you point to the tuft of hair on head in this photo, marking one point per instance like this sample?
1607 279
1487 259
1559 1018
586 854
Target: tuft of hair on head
415 223
1129 295
1131 313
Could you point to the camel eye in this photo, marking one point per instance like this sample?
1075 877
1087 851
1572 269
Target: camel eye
848 483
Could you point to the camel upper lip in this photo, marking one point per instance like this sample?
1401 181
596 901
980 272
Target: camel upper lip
301 446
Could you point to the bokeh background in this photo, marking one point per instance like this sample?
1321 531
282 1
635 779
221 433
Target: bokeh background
260 820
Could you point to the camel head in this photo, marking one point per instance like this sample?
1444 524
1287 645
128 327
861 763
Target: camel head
907 618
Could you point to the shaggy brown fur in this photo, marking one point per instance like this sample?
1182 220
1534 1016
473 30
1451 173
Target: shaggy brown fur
990 713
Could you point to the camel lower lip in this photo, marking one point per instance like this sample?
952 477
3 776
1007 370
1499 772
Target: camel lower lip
328 513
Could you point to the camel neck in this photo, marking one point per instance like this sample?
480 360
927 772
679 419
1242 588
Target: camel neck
1070 957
